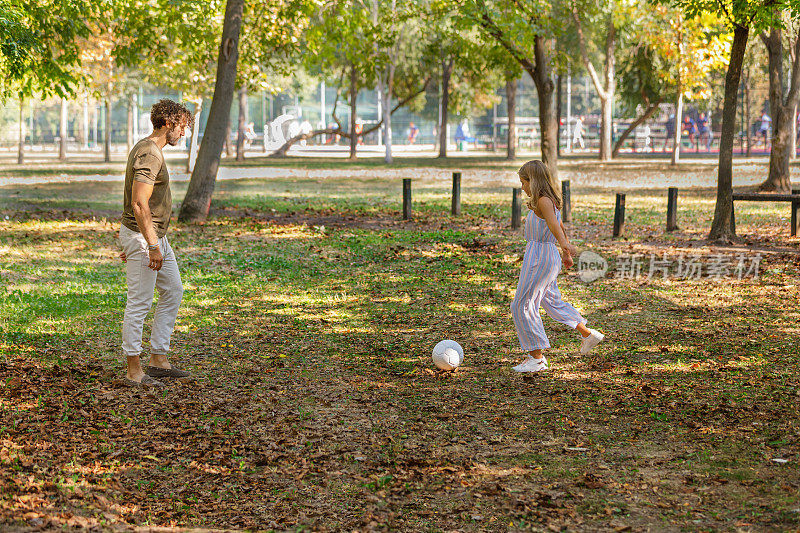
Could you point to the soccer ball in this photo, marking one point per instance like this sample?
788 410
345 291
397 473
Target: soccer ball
447 355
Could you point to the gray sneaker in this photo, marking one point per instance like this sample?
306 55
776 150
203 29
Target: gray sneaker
172 372
146 383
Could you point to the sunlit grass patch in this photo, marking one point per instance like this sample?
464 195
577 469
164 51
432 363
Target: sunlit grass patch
311 349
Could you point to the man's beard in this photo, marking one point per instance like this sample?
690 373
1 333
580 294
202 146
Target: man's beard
173 140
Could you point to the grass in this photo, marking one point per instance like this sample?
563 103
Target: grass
308 319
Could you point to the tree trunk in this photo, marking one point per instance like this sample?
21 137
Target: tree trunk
107 150
85 127
387 114
793 137
281 152
240 134
198 107
227 145
676 145
511 101
746 118
721 227
21 147
605 88
129 124
782 114
605 128
609 90
62 131
558 113
447 68
647 114
197 202
353 97
545 88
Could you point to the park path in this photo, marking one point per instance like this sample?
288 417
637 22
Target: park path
633 176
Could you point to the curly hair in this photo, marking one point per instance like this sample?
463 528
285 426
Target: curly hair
166 112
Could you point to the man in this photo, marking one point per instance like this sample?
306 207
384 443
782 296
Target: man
577 133
704 130
766 123
413 131
669 131
151 263
689 128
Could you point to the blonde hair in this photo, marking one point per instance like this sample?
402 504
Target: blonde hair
541 182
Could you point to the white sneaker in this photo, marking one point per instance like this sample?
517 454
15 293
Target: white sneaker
591 341
532 365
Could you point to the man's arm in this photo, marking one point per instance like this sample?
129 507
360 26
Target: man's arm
140 202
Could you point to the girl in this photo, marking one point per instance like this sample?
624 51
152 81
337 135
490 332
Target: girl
542 263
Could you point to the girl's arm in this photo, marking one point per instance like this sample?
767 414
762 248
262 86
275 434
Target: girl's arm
548 209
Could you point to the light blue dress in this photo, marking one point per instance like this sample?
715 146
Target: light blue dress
537 286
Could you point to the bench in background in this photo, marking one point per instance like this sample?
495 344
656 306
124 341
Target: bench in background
794 198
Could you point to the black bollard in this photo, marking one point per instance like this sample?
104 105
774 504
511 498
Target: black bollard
566 203
619 215
795 213
406 198
456 207
516 207
672 209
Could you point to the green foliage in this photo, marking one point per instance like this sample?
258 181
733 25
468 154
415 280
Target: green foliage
174 43
670 51
757 15
38 50
640 80
343 36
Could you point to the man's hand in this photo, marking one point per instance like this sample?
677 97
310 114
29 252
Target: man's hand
123 257
156 259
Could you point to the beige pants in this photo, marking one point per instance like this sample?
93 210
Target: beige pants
142 282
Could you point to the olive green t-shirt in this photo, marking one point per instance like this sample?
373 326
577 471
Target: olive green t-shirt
146 164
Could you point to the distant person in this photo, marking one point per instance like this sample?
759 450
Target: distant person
359 130
249 134
704 130
766 123
463 135
305 129
413 132
577 134
150 261
646 134
689 128
669 128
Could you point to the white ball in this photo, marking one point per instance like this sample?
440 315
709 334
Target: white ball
447 355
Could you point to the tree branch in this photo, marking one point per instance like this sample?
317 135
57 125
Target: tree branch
794 91
585 55
281 152
622 138
491 27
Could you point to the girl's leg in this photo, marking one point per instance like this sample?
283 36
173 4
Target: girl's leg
563 312
536 354
536 273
